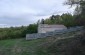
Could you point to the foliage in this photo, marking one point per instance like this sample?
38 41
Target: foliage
79 11
17 32
32 28
66 19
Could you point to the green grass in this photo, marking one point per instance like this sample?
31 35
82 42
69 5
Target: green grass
20 47
23 47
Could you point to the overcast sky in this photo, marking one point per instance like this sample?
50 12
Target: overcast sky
25 12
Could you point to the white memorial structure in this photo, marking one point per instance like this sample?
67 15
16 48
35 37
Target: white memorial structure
43 28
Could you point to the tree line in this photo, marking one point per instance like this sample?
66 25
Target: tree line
66 19
17 32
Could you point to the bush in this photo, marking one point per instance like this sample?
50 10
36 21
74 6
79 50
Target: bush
17 32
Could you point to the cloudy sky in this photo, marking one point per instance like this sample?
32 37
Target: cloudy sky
25 12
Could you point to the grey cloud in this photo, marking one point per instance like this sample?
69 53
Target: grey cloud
24 12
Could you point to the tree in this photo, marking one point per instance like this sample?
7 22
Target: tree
80 5
79 11
32 28
68 20
42 21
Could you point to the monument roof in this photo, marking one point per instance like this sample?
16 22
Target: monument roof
52 26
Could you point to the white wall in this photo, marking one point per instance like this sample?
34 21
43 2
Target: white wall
44 30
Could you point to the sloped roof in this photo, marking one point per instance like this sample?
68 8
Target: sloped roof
52 26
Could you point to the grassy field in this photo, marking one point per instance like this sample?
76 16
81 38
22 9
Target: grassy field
33 47
19 47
